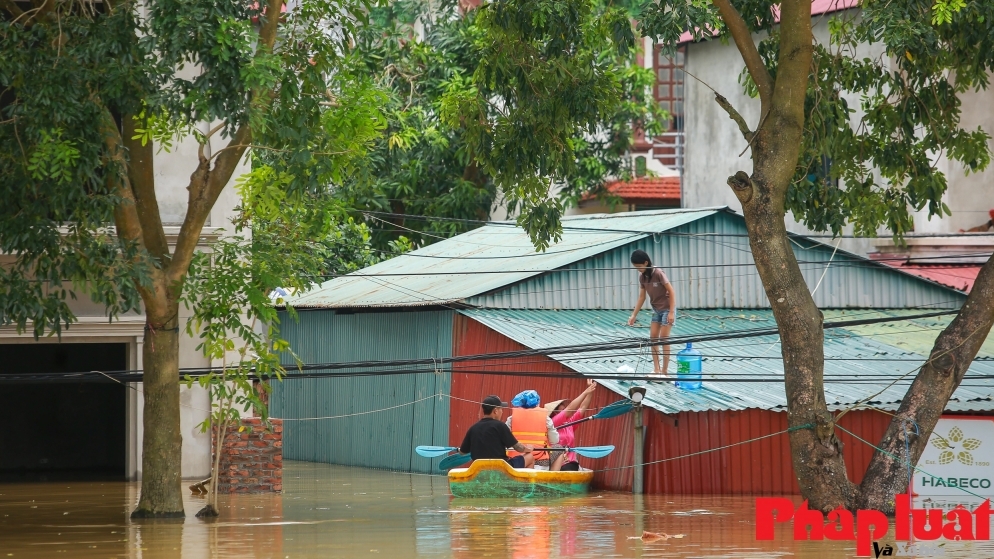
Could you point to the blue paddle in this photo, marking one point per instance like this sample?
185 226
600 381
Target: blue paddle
620 407
457 460
434 451
454 461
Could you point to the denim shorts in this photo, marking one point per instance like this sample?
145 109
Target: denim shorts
662 316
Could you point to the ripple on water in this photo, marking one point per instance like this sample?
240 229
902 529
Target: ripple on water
334 511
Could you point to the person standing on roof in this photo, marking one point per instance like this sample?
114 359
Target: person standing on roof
488 438
662 299
532 425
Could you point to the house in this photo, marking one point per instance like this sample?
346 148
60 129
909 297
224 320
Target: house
433 329
637 194
92 428
710 145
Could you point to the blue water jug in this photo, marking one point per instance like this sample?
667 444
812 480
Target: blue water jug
688 368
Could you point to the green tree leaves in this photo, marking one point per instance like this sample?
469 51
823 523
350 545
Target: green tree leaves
514 99
875 125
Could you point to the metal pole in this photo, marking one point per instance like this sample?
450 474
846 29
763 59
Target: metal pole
638 445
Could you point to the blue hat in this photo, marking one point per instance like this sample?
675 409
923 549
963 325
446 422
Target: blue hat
526 399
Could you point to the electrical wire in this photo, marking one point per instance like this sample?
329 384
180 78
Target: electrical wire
667 212
566 350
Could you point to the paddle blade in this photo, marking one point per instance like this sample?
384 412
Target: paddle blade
433 451
593 451
454 461
620 407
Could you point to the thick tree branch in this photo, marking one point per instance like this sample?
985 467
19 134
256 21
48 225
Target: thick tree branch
747 48
794 59
206 183
952 354
126 218
142 178
11 8
743 127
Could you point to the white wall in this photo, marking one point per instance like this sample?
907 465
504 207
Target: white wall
714 142
172 172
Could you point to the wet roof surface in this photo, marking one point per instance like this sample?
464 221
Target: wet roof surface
497 254
876 353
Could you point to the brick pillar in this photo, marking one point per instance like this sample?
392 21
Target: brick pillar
252 461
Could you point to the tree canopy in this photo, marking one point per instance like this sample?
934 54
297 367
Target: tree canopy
480 108
873 127
883 150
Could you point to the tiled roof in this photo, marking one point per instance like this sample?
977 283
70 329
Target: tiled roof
959 276
647 188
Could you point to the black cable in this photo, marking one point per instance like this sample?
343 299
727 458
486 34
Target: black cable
589 348
670 212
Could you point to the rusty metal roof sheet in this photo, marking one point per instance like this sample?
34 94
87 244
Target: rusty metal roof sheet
878 353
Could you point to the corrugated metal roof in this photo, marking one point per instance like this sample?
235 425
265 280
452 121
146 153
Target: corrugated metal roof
492 248
710 264
960 277
910 341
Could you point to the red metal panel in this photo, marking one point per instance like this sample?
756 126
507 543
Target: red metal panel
757 468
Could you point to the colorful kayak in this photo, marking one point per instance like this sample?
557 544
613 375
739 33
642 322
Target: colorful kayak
496 478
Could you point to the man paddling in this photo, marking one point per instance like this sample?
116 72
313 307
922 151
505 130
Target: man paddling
489 438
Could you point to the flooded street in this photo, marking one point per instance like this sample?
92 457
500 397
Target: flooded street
333 511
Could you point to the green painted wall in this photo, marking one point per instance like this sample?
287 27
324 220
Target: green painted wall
384 439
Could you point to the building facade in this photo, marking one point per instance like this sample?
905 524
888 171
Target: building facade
93 428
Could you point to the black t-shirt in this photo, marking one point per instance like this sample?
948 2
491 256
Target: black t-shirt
488 438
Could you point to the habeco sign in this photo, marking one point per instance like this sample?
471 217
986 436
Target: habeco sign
958 459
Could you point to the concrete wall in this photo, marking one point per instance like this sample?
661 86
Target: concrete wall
714 142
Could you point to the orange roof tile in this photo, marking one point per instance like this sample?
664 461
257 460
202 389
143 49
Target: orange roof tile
657 189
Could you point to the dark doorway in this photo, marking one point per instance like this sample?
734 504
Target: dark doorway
65 429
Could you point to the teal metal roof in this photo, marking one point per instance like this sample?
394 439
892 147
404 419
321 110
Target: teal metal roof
705 253
492 248
860 350
709 262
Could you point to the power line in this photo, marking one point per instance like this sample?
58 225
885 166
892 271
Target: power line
673 233
577 349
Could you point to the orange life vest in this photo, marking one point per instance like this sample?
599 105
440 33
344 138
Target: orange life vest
529 427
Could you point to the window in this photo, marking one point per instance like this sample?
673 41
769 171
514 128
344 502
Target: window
640 166
669 85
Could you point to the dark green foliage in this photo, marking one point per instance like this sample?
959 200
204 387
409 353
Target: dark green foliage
498 102
54 83
165 68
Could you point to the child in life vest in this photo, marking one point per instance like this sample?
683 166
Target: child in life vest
531 425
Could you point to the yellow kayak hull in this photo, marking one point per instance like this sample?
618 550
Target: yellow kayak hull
496 478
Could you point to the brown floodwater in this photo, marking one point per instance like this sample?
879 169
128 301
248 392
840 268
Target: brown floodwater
335 511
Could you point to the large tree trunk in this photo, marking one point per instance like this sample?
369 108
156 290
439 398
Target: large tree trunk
815 450
951 356
162 443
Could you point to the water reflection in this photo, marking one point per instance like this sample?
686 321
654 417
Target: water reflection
332 511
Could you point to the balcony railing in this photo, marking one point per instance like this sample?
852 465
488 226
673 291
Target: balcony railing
668 149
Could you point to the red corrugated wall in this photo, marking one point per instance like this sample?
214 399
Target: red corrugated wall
758 468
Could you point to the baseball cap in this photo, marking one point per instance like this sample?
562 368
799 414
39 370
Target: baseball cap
493 401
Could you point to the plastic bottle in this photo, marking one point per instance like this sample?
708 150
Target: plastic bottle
688 368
